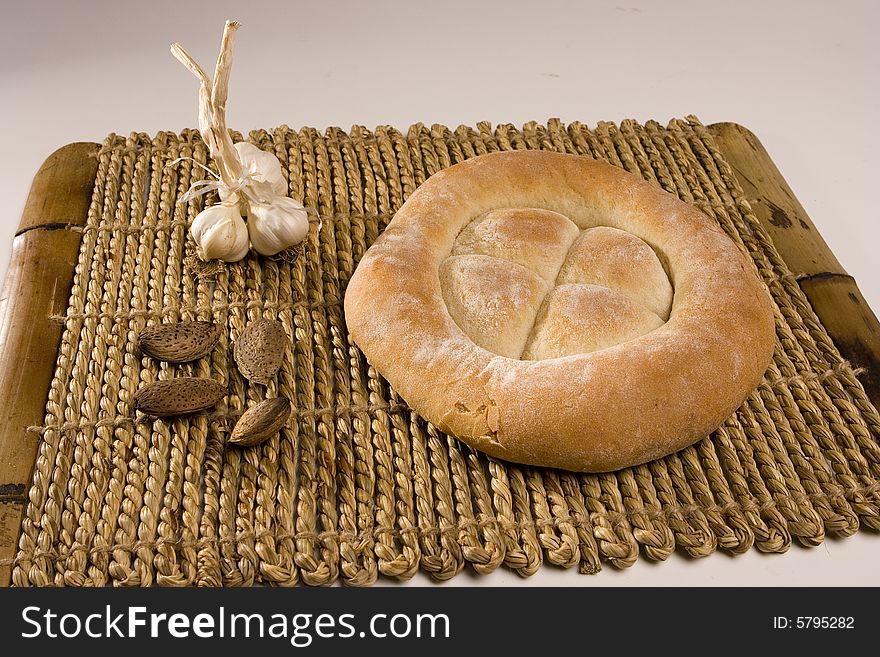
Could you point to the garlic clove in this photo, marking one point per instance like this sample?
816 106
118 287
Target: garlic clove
260 167
220 232
277 225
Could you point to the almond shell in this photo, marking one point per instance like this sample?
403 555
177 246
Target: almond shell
259 350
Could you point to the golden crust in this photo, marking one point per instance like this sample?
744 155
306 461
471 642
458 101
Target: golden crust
594 412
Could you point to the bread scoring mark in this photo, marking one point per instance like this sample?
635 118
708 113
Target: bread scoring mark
492 300
541 307
620 261
542 242
531 237
582 318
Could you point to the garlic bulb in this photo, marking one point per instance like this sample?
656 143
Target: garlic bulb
249 180
261 169
220 233
277 225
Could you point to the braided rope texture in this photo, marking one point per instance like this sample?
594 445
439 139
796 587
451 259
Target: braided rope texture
357 485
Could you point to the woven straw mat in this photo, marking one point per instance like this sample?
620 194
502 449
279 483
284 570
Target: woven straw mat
357 485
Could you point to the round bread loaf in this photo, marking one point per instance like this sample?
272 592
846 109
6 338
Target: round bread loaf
554 310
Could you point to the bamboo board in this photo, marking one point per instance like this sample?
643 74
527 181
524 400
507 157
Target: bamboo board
759 482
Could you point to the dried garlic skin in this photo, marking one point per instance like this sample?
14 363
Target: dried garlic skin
277 225
261 169
220 233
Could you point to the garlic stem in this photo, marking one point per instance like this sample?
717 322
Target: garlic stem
219 94
212 104
204 95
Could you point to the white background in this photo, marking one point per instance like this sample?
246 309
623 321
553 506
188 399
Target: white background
802 75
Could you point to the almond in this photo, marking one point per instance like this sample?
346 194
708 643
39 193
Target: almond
179 342
180 396
259 350
260 422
